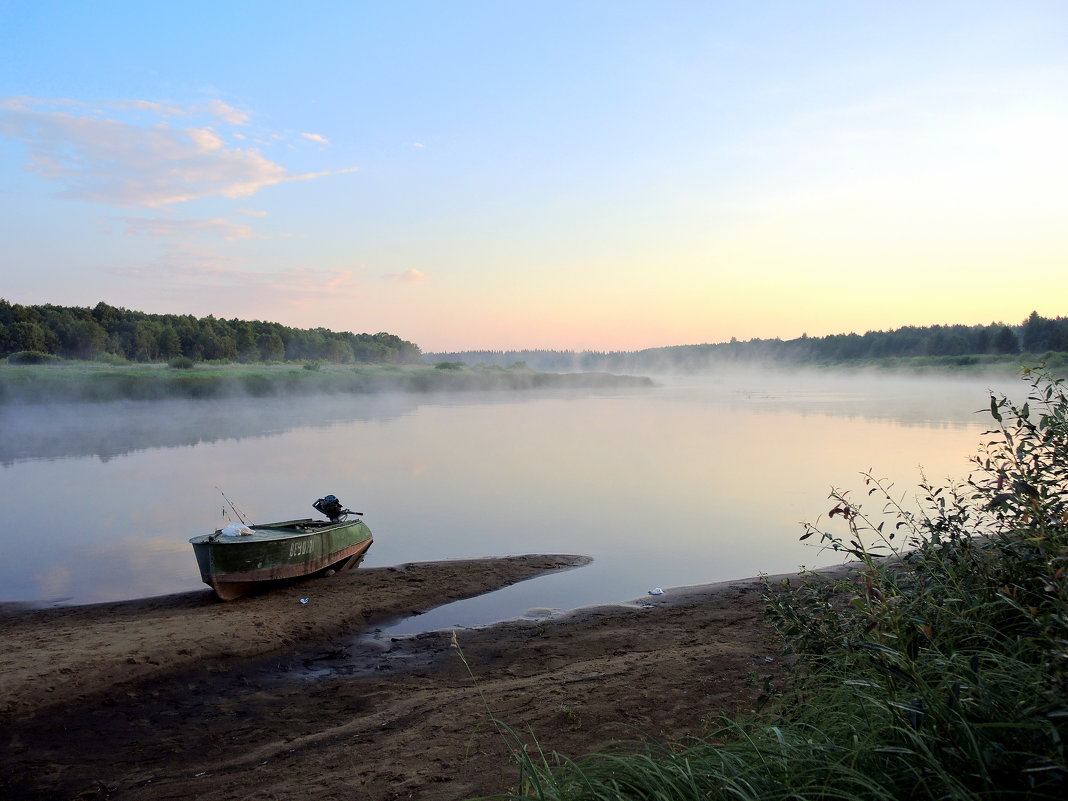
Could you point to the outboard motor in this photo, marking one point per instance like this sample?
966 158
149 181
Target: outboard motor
331 507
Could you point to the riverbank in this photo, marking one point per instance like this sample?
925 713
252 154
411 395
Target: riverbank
98 381
184 697
711 359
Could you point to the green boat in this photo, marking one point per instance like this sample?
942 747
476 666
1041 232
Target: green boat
237 559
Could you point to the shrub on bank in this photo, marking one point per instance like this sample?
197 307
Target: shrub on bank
32 357
114 359
939 671
181 363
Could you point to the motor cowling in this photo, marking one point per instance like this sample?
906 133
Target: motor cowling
331 507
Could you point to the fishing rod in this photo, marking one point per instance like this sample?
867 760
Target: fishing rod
231 505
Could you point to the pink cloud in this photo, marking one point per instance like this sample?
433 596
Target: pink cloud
167 228
227 113
188 268
110 161
412 276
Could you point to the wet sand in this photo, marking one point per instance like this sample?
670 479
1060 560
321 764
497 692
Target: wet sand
183 696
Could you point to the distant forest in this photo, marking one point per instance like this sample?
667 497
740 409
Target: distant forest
72 332
1036 335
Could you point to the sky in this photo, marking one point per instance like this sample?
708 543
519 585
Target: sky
572 175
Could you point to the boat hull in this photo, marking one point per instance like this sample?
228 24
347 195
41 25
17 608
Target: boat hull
233 566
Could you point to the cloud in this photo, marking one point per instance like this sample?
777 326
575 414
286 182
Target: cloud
252 212
205 138
159 109
418 144
215 108
187 268
166 228
316 138
227 113
411 276
105 160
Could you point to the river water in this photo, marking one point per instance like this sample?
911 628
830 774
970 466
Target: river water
695 480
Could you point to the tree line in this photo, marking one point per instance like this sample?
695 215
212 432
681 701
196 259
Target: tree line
73 332
1036 335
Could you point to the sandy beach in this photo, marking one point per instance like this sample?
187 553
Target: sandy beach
183 696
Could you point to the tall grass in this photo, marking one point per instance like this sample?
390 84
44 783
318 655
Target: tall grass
64 382
940 671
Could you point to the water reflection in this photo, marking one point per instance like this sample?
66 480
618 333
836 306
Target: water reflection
107 430
697 480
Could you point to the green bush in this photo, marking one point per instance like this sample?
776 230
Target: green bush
181 363
449 366
314 366
32 357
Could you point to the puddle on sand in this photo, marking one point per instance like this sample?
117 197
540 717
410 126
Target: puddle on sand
391 648
395 648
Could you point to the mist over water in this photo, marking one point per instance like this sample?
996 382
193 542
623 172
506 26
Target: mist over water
698 479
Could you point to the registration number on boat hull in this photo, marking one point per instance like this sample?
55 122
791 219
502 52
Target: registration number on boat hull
301 547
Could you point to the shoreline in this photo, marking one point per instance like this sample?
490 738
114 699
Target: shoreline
194 692
76 648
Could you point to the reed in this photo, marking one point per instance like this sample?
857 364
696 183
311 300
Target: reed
99 382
